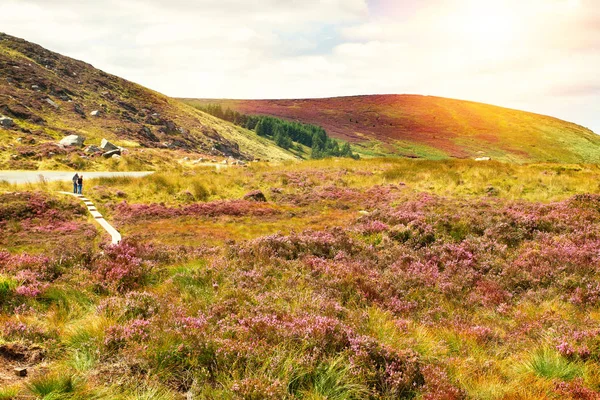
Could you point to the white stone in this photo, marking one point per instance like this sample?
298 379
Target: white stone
107 146
72 140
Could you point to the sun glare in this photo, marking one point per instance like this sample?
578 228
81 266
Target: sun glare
482 25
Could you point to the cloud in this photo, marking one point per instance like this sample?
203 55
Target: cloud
540 55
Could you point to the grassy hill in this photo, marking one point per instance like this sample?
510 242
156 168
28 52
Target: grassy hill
49 96
433 127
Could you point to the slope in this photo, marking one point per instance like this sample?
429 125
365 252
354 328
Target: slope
433 127
49 96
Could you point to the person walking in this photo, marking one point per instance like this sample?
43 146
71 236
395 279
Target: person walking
79 184
75 182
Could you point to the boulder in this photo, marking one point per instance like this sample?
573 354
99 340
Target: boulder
111 153
72 140
107 146
20 372
6 122
93 150
116 156
95 113
255 195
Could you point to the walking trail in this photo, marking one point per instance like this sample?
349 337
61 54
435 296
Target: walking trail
114 234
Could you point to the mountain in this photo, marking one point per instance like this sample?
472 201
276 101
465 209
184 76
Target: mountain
433 127
49 96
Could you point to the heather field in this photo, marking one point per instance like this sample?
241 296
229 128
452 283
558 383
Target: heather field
370 279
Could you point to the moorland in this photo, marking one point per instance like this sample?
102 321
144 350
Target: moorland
355 279
306 266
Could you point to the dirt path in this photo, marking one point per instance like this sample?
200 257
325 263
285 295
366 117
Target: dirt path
19 177
114 234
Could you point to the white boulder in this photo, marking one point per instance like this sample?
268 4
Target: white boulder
72 140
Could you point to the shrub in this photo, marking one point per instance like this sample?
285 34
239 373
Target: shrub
121 269
260 388
117 336
133 305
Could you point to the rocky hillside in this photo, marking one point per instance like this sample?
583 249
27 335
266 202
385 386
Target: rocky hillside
45 96
433 127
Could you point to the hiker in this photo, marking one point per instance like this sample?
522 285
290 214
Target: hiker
75 182
79 184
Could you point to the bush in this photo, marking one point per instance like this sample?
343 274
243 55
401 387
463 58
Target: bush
121 269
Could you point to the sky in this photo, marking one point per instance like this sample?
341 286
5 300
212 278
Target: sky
536 55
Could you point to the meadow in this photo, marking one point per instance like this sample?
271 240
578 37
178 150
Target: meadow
370 279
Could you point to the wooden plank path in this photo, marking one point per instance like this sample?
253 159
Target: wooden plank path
114 234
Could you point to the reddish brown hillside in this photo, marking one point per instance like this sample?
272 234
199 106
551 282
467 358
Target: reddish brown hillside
454 127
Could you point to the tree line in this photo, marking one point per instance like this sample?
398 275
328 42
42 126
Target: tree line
285 134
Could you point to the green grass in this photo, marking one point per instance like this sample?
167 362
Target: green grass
7 285
54 386
549 364
9 393
331 381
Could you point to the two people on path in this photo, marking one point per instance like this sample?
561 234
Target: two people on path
77 183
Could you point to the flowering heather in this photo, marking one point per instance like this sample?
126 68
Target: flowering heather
17 330
347 285
259 389
118 336
26 205
29 284
132 305
121 269
126 212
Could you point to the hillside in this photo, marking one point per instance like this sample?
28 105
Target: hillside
433 127
49 96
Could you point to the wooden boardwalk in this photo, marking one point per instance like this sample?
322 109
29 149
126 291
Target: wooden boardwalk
114 234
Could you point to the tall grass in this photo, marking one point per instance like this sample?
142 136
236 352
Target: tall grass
53 386
7 285
9 393
549 364
331 381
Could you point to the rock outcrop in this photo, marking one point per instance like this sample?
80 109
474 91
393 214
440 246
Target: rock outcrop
72 140
111 153
107 146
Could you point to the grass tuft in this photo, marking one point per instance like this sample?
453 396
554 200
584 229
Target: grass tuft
551 365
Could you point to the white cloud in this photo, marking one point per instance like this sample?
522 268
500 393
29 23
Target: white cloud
540 55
